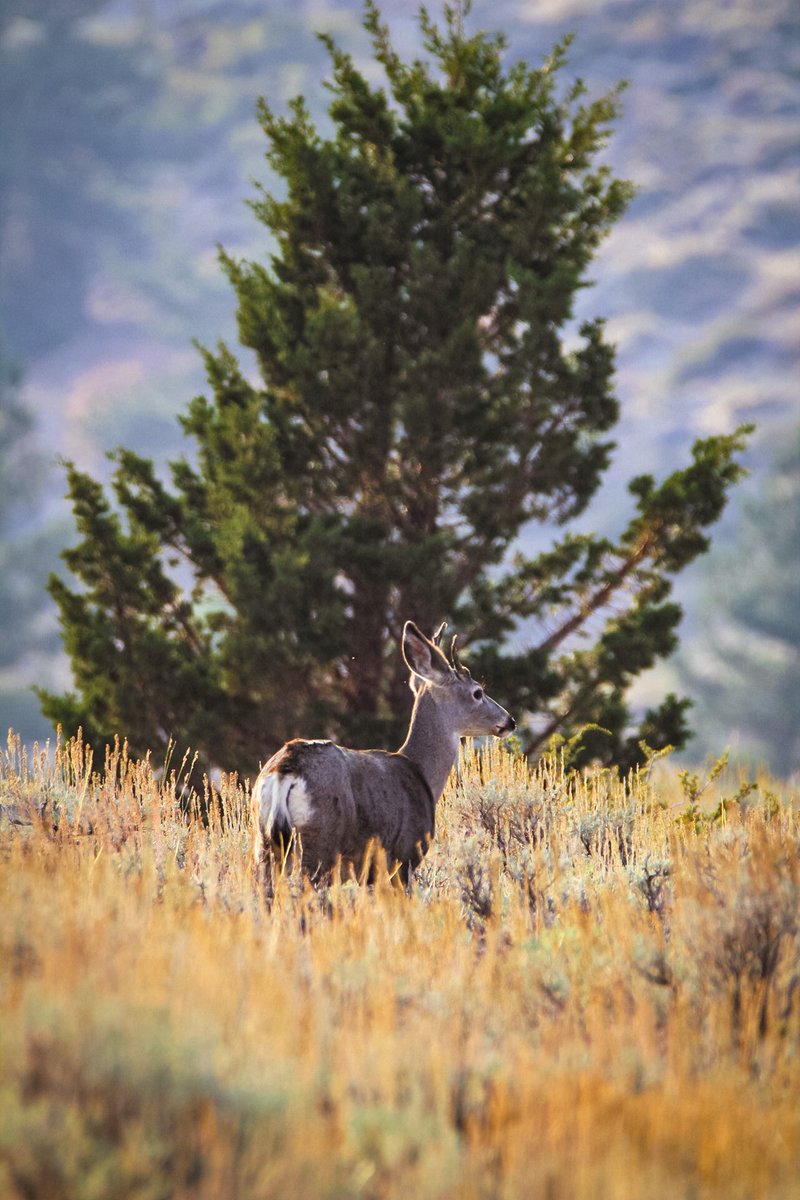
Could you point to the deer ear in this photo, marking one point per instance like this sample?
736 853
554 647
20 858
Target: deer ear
422 657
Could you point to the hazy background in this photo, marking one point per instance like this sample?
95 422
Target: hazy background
128 147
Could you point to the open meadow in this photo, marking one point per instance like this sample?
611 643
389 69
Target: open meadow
591 990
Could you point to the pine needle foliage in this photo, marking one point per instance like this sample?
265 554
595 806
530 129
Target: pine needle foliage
422 400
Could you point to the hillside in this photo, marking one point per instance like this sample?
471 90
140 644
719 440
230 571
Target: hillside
132 147
590 991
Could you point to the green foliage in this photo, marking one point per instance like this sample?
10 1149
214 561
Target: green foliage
419 405
141 626
693 788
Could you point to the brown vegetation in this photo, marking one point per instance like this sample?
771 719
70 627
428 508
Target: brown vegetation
590 991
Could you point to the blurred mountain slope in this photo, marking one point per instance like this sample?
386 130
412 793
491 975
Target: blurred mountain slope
129 147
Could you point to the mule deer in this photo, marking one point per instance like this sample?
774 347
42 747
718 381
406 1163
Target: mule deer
334 802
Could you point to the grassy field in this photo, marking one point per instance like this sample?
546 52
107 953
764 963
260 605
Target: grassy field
592 991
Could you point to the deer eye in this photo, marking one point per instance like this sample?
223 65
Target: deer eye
477 694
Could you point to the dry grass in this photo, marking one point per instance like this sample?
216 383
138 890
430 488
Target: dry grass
584 996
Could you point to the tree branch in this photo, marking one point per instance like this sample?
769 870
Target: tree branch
598 599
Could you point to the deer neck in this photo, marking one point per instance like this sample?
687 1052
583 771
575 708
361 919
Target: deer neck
430 744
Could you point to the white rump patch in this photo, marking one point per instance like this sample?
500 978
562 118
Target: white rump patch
281 799
298 802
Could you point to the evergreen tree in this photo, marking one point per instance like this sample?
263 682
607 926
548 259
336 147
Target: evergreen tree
419 406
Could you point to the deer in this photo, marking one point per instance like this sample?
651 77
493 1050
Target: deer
335 804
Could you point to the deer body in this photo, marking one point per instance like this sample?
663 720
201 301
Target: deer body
333 801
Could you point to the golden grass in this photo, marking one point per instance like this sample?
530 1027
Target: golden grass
583 996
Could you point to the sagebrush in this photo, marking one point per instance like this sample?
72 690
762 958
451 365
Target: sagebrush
584 993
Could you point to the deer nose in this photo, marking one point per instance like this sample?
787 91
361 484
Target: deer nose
507 727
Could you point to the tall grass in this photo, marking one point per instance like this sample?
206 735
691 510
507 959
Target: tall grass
591 990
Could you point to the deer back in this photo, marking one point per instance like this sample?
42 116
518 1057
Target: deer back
337 800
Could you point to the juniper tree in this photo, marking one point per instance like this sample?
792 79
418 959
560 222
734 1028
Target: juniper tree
423 400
